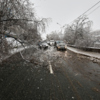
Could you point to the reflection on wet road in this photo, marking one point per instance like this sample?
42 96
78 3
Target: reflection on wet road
73 78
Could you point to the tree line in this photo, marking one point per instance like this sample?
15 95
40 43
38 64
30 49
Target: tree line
79 33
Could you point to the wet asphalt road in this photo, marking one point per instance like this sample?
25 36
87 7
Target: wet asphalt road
73 78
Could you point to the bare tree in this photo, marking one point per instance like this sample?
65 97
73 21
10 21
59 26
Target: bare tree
96 38
54 35
78 33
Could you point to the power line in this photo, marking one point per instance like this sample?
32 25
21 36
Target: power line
87 11
90 9
93 11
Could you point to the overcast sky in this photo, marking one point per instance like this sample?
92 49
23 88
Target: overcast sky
65 11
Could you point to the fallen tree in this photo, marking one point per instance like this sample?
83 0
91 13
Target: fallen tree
18 22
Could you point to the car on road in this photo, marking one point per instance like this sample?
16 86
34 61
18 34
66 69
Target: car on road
57 42
51 42
43 45
60 45
48 42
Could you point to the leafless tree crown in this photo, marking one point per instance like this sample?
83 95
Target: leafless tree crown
78 32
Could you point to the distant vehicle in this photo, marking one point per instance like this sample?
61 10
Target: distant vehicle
48 42
43 45
60 45
57 42
51 42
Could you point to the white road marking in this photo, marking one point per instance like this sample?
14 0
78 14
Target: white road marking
65 54
50 68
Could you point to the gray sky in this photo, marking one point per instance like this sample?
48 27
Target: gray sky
65 11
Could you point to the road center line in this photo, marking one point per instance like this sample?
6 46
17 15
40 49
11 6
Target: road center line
65 54
50 68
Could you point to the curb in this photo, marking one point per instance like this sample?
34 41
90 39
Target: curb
85 55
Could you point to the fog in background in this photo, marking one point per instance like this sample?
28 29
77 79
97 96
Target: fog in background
65 11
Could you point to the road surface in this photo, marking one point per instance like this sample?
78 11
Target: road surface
61 76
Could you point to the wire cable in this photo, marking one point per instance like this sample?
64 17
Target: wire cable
93 11
87 11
